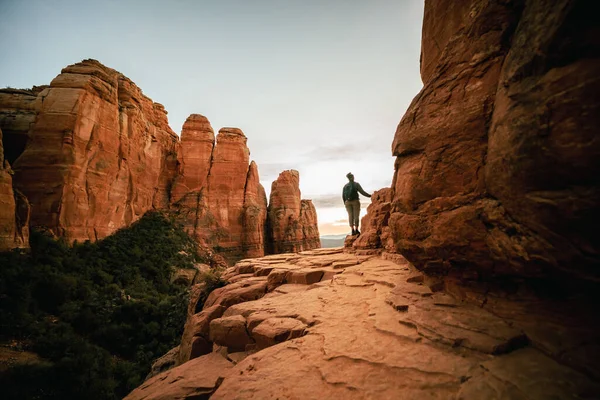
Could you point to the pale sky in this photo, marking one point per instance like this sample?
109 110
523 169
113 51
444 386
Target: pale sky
316 85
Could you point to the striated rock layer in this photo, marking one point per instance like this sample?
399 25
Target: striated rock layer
99 154
219 192
498 155
292 222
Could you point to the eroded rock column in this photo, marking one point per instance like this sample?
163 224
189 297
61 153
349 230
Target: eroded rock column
292 222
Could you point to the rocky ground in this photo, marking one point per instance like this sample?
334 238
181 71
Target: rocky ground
324 324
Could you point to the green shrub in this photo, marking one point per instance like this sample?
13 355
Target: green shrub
97 313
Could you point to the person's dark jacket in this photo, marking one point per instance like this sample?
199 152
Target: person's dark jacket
351 190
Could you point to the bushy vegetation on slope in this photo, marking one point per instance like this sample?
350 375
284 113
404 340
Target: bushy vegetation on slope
97 313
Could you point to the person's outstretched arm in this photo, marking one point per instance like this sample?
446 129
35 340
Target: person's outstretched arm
361 191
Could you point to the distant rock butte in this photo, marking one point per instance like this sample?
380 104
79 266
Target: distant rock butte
91 153
292 222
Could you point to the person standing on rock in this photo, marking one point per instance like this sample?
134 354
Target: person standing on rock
350 198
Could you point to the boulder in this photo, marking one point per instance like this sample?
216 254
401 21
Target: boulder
374 221
195 339
276 330
230 332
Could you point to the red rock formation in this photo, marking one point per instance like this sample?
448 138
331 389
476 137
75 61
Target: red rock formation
497 157
100 154
345 326
18 110
309 224
197 143
218 192
254 215
374 223
224 199
14 209
291 222
92 154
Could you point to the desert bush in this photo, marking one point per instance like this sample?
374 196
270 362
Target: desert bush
97 313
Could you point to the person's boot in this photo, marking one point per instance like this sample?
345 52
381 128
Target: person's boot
357 232
353 232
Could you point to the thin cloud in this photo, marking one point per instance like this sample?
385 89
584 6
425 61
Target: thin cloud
333 200
352 150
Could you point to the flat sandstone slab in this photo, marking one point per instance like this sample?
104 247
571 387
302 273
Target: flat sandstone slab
370 331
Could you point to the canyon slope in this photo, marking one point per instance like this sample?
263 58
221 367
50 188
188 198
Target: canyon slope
90 154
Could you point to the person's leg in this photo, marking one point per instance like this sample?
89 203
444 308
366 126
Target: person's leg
357 215
350 212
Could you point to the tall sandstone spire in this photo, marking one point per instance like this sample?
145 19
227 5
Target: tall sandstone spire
218 191
292 222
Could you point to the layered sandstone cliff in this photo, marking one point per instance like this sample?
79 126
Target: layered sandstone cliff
99 154
292 222
497 156
92 154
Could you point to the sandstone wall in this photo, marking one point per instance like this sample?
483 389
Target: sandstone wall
497 156
291 222
100 154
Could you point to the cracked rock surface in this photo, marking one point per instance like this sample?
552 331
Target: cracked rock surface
370 329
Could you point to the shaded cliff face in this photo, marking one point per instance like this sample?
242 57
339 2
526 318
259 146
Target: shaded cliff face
374 224
292 222
496 156
18 110
99 154
14 209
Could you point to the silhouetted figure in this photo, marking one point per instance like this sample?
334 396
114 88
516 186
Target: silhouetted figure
350 198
